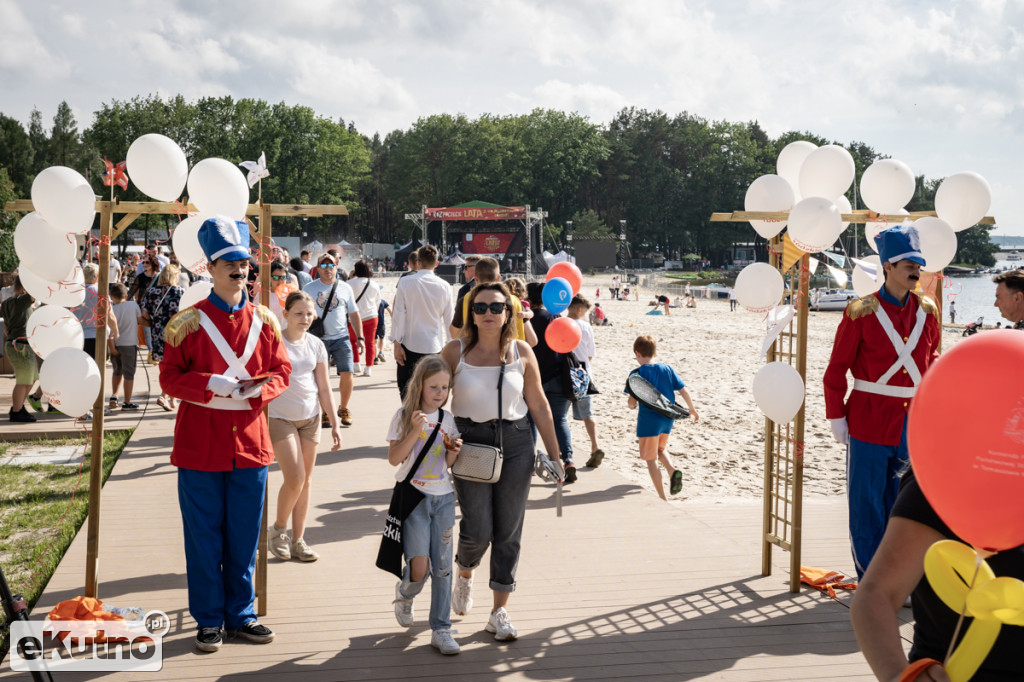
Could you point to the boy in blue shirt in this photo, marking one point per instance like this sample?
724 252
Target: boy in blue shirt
653 428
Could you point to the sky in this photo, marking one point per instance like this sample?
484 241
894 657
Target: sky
937 85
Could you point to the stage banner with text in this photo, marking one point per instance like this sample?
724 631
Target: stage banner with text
486 243
477 213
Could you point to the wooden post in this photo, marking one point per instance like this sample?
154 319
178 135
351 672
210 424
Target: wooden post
264 260
92 551
796 520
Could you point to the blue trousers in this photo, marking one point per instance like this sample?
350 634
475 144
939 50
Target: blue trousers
553 391
872 480
222 512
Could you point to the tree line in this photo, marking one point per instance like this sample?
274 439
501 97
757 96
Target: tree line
664 175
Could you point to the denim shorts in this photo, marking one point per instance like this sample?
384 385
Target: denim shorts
581 409
341 350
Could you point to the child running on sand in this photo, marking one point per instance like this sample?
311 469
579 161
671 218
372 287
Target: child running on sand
427 531
653 428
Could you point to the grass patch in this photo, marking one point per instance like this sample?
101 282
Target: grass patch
42 506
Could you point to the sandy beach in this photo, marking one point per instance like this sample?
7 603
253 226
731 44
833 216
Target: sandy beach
717 353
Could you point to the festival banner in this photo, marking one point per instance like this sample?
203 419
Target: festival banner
477 213
486 243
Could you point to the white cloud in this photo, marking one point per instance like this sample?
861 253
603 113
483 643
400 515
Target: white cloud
22 52
599 102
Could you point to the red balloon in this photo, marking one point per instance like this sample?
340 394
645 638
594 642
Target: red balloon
563 335
569 272
966 439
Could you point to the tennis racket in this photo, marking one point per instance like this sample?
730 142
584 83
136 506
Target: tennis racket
646 394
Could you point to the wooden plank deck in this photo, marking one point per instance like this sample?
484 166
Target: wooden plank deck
622 586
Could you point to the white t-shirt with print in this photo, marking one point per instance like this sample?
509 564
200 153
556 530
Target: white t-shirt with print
301 399
432 476
586 348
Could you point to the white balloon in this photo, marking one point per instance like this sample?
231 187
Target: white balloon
157 166
64 199
873 228
194 294
70 380
44 249
779 391
791 158
815 224
887 186
938 243
185 241
864 283
769 193
218 187
963 199
69 291
759 287
844 207
827 172
51 327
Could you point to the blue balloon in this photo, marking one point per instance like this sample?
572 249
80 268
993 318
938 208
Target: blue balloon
557 295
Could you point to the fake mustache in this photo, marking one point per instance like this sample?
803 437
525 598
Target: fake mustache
237 275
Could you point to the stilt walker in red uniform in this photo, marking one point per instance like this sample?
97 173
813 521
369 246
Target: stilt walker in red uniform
886 340
221 443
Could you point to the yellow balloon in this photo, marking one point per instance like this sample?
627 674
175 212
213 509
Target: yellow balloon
991 601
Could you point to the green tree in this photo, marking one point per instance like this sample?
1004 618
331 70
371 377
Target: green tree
8 222
40 142
974 247
16 154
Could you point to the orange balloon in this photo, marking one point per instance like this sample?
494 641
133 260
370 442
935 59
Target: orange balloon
966 439
569 272
563 335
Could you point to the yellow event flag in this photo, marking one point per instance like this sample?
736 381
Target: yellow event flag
790 253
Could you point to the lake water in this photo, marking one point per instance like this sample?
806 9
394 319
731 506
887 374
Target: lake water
975 296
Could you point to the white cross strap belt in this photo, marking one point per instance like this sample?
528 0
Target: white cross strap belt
904 359
236 365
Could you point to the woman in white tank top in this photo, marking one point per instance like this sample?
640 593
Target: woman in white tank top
492 513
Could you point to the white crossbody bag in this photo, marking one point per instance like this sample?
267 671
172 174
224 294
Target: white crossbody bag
482 463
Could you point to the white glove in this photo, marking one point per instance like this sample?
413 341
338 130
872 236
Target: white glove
253 392
841 430
222 385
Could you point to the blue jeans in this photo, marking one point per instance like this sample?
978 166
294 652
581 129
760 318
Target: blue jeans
427 531
222 512
872 481
560 413
493 513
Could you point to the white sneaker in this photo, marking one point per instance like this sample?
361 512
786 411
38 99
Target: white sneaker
403 607
501 625
462 595
279 542
357 368
367 372
443 641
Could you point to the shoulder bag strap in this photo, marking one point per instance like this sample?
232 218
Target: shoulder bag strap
501 411
426 447
364 290
327 304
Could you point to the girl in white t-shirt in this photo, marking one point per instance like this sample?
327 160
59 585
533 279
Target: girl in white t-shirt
295 427
427 531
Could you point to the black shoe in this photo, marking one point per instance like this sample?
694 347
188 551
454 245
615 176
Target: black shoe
254 632
209 639
21 415
570 474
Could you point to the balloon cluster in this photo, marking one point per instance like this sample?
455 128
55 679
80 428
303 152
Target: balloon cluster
46 245
811 185
563 282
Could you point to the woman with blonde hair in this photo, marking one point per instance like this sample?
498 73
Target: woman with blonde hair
487 355
159 305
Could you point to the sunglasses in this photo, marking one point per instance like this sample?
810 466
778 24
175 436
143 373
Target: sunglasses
278 278
327 266
481 308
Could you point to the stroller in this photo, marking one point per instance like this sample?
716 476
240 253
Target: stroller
973 327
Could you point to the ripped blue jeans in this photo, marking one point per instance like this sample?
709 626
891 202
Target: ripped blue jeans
427 531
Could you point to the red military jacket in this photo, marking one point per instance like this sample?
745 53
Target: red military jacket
207 439
862 347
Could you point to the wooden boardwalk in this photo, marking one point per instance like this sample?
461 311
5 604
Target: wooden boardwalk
622 586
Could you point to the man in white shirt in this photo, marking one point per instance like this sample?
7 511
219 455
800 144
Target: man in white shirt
423 310
115 270
342 312
152 249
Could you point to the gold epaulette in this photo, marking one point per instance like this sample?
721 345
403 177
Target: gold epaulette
268 317
181 325
862 306
927 304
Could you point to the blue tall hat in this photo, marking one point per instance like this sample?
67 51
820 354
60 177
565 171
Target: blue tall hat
221 237
900 242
